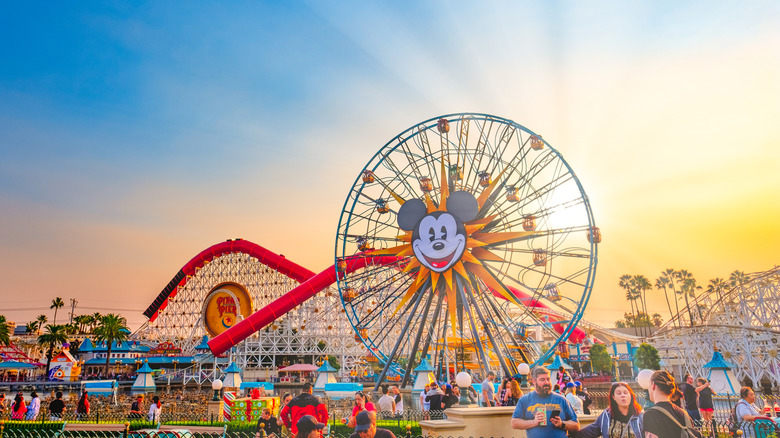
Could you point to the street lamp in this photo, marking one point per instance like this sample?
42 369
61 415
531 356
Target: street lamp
216 385
523 369
463 379
643 379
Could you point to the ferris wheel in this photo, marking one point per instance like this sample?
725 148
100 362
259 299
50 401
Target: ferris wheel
480 242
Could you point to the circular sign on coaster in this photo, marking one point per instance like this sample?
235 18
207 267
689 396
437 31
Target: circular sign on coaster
225 304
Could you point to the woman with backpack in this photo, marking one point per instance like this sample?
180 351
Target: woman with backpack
619 420
666 419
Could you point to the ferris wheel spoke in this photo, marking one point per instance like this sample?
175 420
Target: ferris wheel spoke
432 329
472 325
424 145
489 299
423 317
399 341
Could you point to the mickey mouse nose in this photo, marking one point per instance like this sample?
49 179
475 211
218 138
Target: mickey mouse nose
438 246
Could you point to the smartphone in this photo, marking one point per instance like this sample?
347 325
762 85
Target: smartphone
555 413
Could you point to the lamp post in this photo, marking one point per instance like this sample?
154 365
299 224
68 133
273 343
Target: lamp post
643 379
463 379
216 385
523 369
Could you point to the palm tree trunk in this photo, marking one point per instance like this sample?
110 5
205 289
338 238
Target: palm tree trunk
688 306
668 304
677 307
48 359
108 355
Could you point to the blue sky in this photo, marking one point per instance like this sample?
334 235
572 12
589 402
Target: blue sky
135 135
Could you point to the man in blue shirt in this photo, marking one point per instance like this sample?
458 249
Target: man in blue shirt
534 410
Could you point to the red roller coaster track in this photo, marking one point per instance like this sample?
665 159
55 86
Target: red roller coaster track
311 284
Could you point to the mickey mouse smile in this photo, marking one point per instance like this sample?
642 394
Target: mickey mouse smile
444 262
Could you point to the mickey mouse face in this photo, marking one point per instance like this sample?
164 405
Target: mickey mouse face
439 238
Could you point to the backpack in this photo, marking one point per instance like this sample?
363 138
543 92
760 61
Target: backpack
686 431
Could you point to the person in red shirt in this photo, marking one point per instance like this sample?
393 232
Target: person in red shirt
301 405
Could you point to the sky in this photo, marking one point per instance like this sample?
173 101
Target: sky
134 135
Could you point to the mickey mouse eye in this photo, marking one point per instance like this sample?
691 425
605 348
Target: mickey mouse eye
443 232
433 234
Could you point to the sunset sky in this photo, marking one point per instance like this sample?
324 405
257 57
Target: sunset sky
135 135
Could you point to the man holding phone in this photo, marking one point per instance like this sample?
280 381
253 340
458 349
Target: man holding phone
543 413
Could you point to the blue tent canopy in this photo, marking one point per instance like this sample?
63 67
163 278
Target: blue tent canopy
13 365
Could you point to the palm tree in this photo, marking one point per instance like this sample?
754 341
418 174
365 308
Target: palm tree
738 279
56 304
72 328
625 283
688 287
641 286
31 327
40 321
84 322
55 335
112 328
661 283
96 319
5 333
717 286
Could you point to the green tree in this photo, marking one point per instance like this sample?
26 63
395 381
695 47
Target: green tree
56 304
599 358
647 357
5 333
112 328
55 335
31 327
334 362
639 320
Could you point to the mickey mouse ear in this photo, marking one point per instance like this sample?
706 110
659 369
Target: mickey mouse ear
410 214
463 205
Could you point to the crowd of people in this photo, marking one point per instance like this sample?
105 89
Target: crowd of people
551 409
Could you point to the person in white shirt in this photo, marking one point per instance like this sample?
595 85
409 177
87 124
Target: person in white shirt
571 397
155 410
747 412
399 400
386 404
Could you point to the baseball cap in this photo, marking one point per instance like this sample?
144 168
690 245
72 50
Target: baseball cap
570 385
307 423
362 421
577 383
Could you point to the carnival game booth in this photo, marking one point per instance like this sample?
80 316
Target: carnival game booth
248 408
